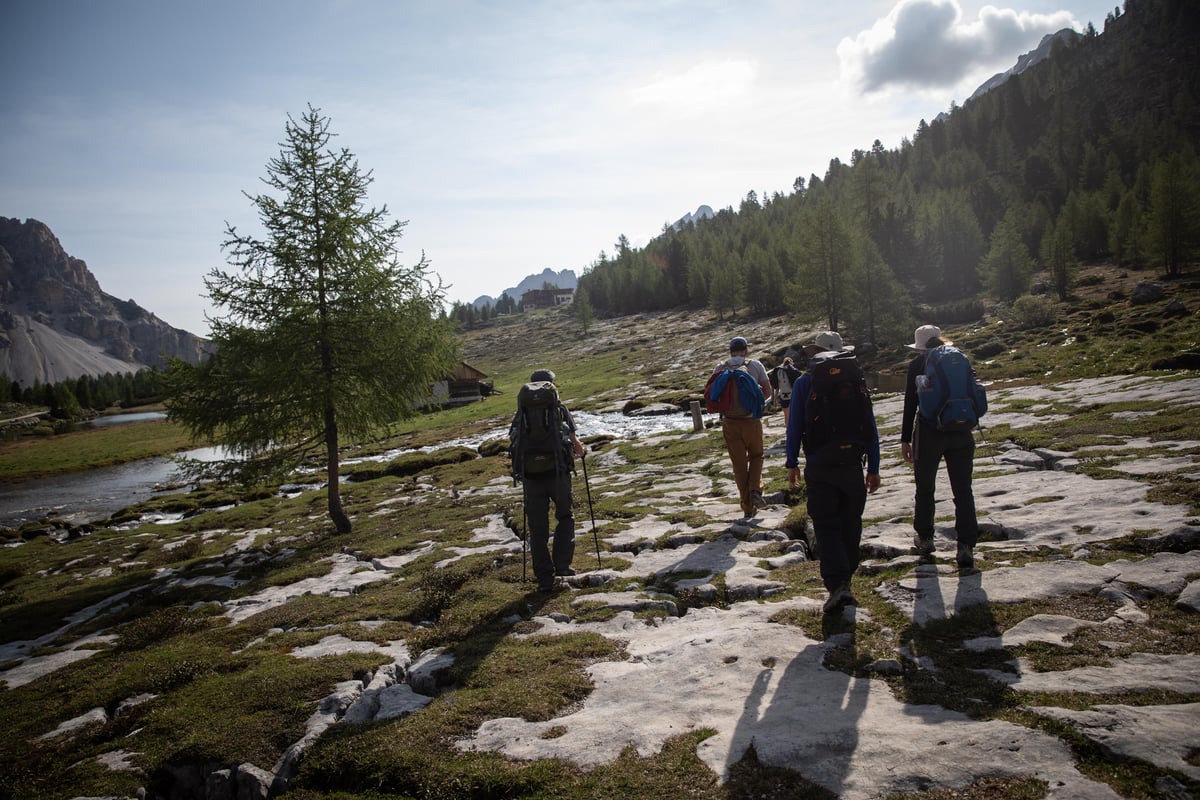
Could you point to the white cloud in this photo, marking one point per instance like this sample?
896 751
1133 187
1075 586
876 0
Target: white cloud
701 89
926 44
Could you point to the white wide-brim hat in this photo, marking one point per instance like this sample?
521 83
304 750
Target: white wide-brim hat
923 334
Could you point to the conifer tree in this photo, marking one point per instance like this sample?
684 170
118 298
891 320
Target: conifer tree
1007 265
323 334
827 260
1058 254
1174 204
581 308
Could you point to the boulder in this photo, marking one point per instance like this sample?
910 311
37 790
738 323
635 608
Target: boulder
1176 308
635 408
1145 293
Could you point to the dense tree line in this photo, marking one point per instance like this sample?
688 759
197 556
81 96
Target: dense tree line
466 315
1088 155
74 398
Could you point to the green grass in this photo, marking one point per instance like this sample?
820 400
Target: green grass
90 448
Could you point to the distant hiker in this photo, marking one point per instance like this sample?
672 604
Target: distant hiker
833 422
783 378
543 446
739 389
929 433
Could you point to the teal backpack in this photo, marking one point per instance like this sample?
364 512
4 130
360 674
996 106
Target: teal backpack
948 394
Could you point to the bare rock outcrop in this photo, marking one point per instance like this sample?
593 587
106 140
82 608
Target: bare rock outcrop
56 323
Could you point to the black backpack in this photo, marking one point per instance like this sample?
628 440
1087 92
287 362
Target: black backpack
538 444
838 426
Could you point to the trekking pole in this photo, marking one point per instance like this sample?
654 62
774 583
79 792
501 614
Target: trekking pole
986 443
524 527
591 511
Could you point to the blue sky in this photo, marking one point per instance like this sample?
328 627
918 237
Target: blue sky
512 136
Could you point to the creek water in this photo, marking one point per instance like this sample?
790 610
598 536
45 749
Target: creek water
98 493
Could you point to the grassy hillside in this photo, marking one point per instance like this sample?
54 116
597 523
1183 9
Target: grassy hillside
665 356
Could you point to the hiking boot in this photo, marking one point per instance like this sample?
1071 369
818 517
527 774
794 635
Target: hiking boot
748 510
564 573
839 597
757 500
965 557
923 545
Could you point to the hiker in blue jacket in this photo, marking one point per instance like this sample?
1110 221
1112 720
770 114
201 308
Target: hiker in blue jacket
837 492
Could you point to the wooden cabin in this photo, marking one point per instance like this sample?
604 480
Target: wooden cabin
464 384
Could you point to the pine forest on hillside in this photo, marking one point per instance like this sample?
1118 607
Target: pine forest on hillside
1087 156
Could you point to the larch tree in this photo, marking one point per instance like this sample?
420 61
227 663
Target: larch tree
1058 254
827 259
324 335
1008 265
581 309
1173 231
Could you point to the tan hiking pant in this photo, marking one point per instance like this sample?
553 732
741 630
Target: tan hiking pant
744 440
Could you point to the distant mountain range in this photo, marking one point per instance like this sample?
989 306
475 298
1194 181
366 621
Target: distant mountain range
57 324
563 279
703 212
566 278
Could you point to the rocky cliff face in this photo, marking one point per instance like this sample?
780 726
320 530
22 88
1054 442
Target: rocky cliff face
56 323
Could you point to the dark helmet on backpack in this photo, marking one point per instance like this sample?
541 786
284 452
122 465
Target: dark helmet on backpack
541 375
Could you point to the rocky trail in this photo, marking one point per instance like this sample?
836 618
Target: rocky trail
759 682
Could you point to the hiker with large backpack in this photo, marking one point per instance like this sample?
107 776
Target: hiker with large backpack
833 422
739 389
543 444
783 378
943 402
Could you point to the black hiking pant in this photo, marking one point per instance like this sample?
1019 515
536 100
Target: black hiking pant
957 448
837 496
539 493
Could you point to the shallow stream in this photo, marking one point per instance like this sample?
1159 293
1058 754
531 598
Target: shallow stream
97 494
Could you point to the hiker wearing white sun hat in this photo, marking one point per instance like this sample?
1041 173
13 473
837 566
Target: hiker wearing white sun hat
925 446
923 335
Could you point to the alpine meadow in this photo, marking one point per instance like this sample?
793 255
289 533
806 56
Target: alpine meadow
345 607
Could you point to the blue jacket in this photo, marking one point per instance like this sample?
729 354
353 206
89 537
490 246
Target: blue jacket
798 417
750 394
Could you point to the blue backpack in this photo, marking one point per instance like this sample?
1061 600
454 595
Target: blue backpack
733 392
948 394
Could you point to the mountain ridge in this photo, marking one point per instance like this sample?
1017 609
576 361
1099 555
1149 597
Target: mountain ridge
1027 60
562 279
567 278
57 323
